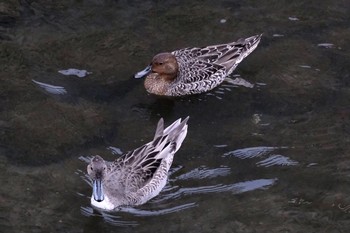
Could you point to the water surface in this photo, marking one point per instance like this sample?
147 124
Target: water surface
267 151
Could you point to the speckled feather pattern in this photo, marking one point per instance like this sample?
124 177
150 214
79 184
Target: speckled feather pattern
202 69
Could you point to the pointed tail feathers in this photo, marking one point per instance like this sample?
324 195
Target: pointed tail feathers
240 50
176 132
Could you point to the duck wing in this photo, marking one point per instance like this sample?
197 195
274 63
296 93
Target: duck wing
199 64
139 166
193 68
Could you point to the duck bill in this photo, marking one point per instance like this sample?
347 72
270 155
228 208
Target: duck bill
97 190
144 72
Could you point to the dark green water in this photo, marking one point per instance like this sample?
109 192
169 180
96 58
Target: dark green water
272 158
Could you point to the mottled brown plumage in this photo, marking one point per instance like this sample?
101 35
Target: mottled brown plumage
195 70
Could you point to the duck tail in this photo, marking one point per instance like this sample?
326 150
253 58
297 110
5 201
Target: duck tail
176 132
160 129
239 50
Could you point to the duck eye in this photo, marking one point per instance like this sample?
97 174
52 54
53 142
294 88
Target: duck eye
160 63
91 169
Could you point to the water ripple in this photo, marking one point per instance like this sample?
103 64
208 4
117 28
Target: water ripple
171 192
84 176
271 160
220 146
238 81
326 45
277 160
115 150
251 152
110 218
204 172
56 90
140 212
236 188
85 159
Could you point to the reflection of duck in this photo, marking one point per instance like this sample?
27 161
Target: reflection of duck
195 70
139 175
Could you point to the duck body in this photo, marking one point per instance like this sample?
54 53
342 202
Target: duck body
139 175
195 70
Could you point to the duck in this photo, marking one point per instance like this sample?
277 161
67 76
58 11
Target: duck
140 174
195 70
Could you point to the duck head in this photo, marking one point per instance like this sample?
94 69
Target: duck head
163 64
97 170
